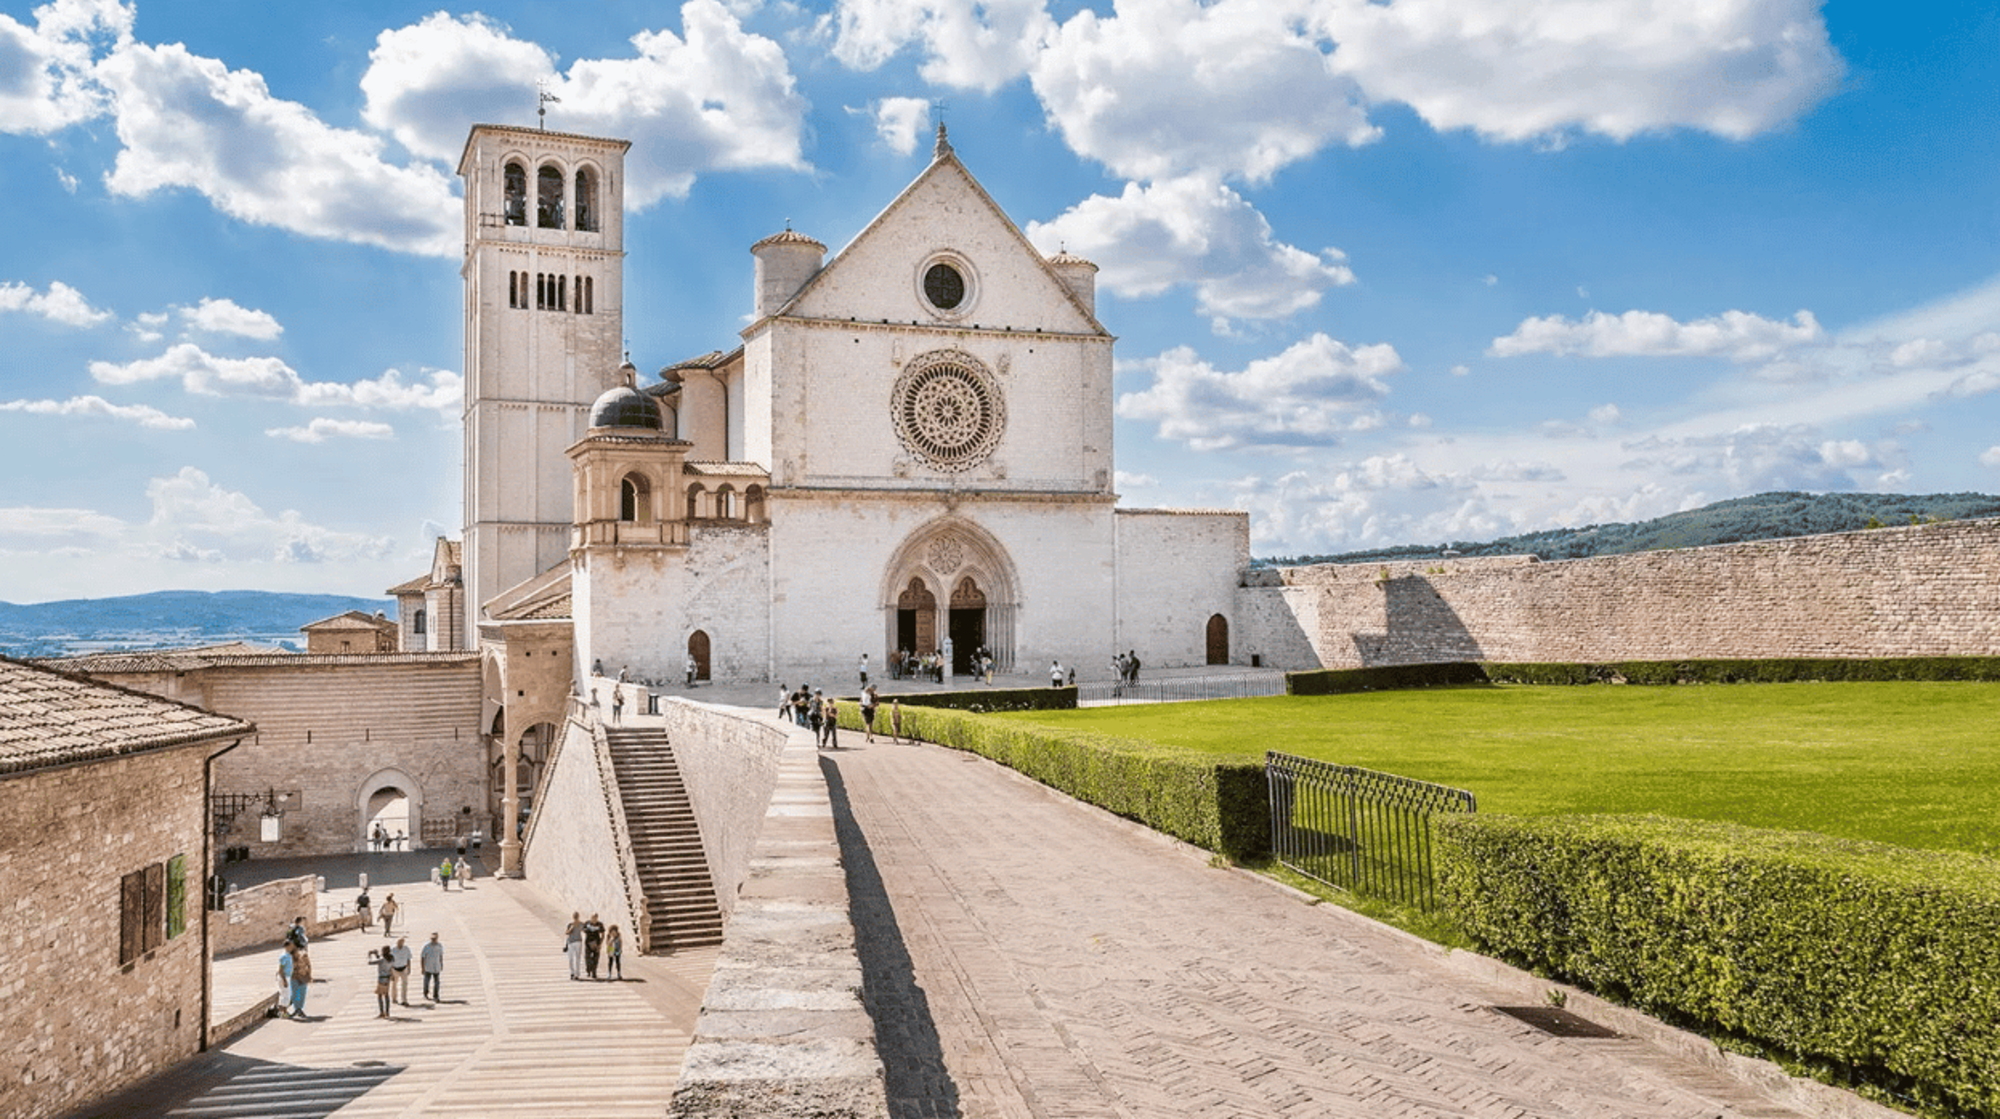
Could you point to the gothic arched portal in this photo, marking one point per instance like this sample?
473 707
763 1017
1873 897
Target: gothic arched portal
951 583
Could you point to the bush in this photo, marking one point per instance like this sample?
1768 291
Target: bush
1879 964
1340 681
1217 803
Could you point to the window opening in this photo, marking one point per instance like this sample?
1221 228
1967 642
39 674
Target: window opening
549 197
517 194
417 623
635 499
586 200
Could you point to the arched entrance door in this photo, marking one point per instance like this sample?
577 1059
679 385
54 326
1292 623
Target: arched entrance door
698 649
1218 639
967 624
916 619
393 801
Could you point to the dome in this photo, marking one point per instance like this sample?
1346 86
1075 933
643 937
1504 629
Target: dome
625 407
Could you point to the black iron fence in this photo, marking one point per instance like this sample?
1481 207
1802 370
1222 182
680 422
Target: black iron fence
1177 689
1358 829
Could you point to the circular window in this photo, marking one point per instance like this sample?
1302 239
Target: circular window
944 287
947 410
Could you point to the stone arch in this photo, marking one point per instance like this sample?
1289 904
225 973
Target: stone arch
753 503
514 180
725 502
393 798
635 498
549 190
1218 639
698 652
584 201
941 554
697 501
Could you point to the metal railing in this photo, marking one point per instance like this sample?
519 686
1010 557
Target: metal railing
1180 689
1357 829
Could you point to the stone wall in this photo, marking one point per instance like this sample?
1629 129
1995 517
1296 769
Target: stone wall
1920 590
572 853
730 765
78 1026
259 915
1176 570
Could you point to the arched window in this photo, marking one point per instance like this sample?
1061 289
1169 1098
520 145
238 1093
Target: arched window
635 499
583 295
517 194
753 504
695 495
417 623
541 291
725 501
586 200
549 197
562 291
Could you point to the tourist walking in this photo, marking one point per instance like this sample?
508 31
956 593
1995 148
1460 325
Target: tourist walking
399 962
367 914
433 965
380 838
869 701
614 954
815 714
573 945
830 729
296 935
593 944
384 973
617 704
388 914
443 875
691 668
462 871
784 702
287 981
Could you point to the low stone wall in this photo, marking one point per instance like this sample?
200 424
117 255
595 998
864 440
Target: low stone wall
783 1033
258 915
572 853
1919 590
729 763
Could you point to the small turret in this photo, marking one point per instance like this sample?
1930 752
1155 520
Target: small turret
785 261
1080 275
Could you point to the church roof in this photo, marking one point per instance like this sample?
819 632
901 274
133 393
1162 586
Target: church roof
713 359
789 237
351 619
50 718
725 470
189 660
411 586
1065 257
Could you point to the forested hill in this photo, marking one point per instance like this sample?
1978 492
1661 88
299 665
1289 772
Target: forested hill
1764 516
168 619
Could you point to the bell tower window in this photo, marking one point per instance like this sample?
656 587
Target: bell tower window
549 197
586 200
517 194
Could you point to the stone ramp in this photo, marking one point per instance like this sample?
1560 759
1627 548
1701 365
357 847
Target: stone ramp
1026 955
513 1036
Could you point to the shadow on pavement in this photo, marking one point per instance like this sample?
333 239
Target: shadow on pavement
915 1078
235 1085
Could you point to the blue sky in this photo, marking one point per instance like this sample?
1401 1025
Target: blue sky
1381 272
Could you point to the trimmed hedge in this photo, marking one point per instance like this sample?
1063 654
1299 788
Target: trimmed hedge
1341 681
1217 803
1776 670
990 699
1880 964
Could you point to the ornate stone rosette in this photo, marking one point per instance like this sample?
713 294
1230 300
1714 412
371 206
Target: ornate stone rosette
948 409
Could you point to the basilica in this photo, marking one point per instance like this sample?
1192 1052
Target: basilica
907 448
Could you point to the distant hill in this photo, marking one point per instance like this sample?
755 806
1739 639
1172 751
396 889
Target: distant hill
1764 516
164 619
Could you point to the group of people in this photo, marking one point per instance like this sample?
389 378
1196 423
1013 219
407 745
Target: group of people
1125 667
587 943
447 870
818 712
381 840
392 974
905 665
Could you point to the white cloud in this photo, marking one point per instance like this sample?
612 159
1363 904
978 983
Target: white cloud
1165 88
1309 395
1460 370
1762 456
195 518
141 414
223 316
45 70
321 429
205 374
1152 237
978 44
192 122
900 120
1124 480
719 98
1737 335
61 303
1990 457
1526 69
1605 414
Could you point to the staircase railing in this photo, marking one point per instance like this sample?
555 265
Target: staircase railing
621 838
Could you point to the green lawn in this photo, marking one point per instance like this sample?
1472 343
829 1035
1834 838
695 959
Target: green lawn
1915 764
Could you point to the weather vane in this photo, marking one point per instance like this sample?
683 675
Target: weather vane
542 99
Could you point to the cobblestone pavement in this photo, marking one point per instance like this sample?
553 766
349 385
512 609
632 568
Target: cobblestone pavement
1027 956
512 1036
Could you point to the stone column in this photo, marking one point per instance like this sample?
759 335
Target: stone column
510 804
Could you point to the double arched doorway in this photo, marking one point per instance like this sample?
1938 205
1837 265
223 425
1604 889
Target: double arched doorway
951 588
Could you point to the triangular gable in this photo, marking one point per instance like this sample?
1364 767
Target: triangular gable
945 177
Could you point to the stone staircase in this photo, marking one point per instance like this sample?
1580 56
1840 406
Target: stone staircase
666 843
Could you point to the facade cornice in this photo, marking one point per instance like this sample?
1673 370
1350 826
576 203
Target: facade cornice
951 329
911 496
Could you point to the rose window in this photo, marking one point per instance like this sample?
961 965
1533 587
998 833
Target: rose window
948 411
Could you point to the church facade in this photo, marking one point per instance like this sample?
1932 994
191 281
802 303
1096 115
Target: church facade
908 447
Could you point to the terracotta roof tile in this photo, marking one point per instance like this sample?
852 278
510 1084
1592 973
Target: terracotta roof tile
50 718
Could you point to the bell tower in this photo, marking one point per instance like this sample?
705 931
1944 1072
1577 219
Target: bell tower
544 325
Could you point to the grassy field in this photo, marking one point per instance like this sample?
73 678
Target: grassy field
1915 764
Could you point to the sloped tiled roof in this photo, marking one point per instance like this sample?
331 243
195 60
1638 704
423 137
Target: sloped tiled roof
726 470
191 660
554 609
50 718
411 586
352 619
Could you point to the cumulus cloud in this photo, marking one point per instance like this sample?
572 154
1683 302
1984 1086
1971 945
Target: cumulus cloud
224 316
322 429
899 121
187 121
61 303
716 97
977 44
1150 238
45 70
1124 480
193 517
205 374
1308 395
141 414
1737 335
1763 456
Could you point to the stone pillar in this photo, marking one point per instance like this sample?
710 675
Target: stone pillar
510 805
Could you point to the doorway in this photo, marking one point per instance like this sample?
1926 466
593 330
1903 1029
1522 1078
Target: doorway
967 625
698 652
1218 639
388 816
916 619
